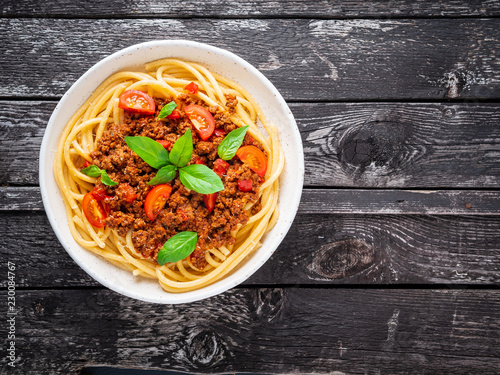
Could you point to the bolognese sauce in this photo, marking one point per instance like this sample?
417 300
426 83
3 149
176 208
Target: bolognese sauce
212 216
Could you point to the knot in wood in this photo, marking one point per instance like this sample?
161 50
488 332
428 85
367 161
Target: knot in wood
270 303
457 81
204 348
342 259
376 147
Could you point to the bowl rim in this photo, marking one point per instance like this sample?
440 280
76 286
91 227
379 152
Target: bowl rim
233 278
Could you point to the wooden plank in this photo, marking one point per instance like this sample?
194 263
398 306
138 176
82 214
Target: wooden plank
400 145
319 249
305 59
289 330
383 145
254 9
438 202
328 201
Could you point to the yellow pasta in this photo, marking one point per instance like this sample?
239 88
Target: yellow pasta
164 79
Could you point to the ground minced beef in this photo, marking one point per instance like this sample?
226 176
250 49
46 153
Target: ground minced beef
185 209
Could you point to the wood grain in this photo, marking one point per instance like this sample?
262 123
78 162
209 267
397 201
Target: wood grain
383 145
400 145
262 330
305 59
330 201
319 249
254 8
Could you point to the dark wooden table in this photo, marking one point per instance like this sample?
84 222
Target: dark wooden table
392 265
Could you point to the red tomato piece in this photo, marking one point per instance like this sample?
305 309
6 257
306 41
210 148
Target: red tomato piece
192 87
245 185
255 159
201 119
199 161
156 199
106 205
219 132
86 164
99 193
93 210
209 200
164 143
126 192
174 115
137 102
220 167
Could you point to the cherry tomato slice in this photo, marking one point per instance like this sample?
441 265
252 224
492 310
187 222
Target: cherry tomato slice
164 143
99 193
93 210
106 205
192 87
245 185
156 199
137 102
209 200
202 120
255 159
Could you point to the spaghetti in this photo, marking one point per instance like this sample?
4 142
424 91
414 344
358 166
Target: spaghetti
165 79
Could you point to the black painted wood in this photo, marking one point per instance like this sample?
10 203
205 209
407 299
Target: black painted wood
351 71
329 201
318 250
262 330
306 59
254 8
383 145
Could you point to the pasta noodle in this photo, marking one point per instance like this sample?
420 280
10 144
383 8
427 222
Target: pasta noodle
164 79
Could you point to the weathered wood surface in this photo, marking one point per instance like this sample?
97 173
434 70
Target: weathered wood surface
402 191
262 330
403 145
305 59
254 8
319 249
329 201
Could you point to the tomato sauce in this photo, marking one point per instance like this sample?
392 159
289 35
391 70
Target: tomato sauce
184 210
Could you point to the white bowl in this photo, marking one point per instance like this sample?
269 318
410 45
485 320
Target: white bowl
219 61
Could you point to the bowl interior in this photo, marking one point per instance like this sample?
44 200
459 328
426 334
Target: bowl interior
221 62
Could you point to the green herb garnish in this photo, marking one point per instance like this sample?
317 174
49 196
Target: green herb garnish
195 177
200 178
182 150
149 150
95 171
231 143
167 110
177 247
164 175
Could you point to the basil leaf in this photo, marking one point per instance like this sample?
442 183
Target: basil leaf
200 178
106 180
95 171
177 247
149 150
164 175
167 109
92 171
231 143
181 153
